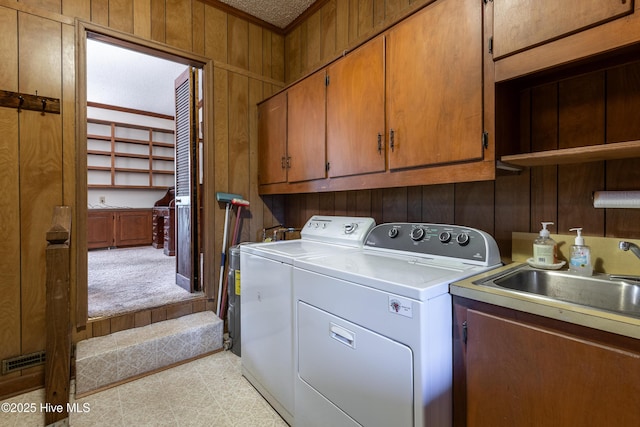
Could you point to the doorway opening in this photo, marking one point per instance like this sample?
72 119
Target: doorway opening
136 250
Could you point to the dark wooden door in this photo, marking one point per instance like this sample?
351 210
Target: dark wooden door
434 86
272 137
100 229
355 112
186 200
306 129
519 374
521 24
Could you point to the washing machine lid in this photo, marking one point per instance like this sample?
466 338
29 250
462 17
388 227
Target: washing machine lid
411 277
321 234
287 250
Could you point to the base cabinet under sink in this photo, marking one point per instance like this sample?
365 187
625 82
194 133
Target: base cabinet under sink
517 369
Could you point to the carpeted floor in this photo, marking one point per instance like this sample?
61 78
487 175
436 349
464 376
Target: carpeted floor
130 279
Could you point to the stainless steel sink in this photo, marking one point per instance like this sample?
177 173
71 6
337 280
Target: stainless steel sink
601 291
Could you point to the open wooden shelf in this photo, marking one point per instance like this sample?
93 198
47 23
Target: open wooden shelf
129 187
129 155
591 153
129 170
157 165
131 141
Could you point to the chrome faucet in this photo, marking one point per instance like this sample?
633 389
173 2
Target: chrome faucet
625 246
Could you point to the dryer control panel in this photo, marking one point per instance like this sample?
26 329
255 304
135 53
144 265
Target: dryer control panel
436 241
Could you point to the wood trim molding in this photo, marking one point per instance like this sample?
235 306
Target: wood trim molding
130 41
36 11
83 30
18 385
129 110
443 174
244 15
145 374
316 6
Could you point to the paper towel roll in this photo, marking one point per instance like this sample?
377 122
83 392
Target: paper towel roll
616 199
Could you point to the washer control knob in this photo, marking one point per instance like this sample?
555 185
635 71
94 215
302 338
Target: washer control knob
350 228
417 234
462 239
445 237
393 233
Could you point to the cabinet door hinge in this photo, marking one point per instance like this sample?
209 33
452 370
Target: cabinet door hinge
328 166
326 80
485 140
464 332
491 45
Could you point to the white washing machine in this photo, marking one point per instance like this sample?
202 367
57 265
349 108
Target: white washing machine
267 301
373 339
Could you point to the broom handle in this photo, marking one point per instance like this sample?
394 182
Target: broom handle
225 291
223 256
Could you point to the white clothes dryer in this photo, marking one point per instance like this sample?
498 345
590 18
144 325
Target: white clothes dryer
373 339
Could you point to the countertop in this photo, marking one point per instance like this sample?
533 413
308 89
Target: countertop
559 310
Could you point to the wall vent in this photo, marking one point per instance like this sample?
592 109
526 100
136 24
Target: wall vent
23 362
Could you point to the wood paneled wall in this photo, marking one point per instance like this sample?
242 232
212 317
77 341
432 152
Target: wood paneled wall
38 153
337 26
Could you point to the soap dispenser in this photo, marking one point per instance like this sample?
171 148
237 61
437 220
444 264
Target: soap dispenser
545 249
580 262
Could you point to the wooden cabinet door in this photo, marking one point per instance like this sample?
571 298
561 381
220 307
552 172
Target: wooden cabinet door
434 86
272 140
100 229
522 375
133 228
520 24
355 112
306 129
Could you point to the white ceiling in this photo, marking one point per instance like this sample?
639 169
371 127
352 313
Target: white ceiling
124 78
277 12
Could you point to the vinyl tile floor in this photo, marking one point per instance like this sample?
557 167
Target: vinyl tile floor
205 392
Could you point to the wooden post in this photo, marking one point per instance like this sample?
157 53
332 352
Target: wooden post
58 348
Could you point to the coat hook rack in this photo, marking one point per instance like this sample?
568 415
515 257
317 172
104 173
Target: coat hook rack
24 101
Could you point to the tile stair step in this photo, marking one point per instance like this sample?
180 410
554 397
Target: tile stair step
114 358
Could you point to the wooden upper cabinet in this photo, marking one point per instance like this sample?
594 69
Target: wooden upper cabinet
306 130
272 137
434 86
355 112
520 24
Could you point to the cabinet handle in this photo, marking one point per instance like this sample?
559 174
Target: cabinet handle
464 332
288 162
392 137
282 162
379 143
